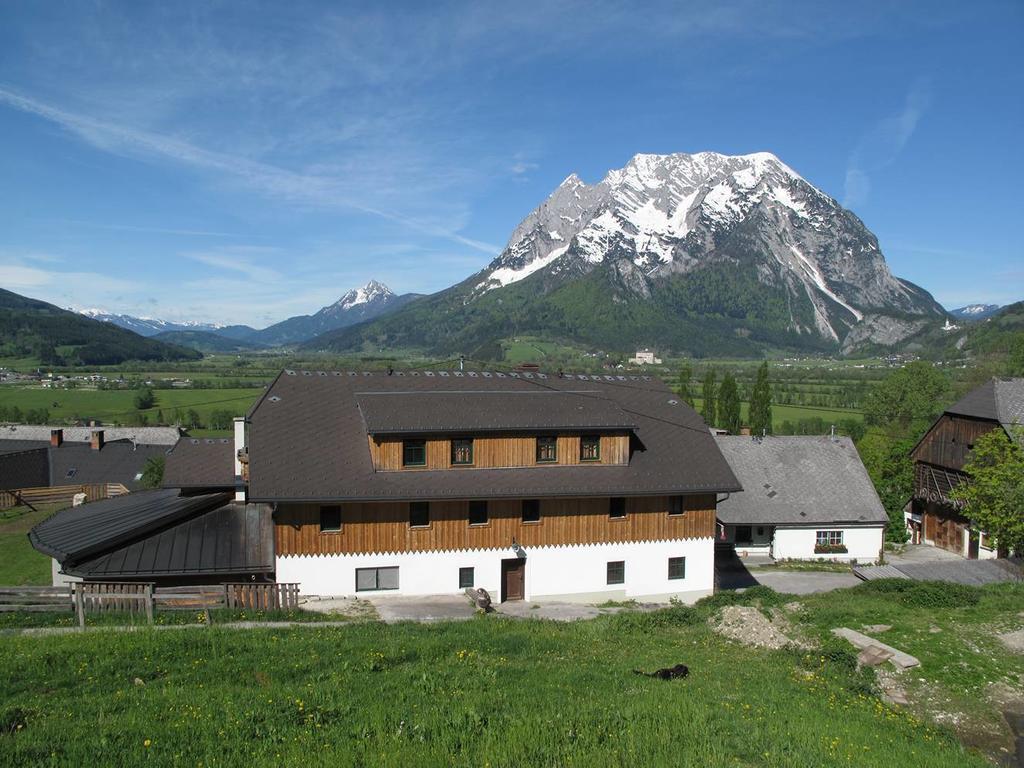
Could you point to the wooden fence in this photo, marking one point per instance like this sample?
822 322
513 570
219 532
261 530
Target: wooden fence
60 494
143 598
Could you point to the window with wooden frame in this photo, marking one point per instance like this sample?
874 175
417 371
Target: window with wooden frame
617 572
330 519
531 510
419 514
478 513
590 448
676 568
462 451
466 578
617 508
414 453
547 450
676 506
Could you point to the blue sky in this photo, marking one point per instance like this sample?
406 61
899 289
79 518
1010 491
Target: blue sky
244 162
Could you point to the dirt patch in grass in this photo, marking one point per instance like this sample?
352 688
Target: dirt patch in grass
748 625
1013 640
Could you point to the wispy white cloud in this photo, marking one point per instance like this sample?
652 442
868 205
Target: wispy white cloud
146 230
64 287
265 178
881 145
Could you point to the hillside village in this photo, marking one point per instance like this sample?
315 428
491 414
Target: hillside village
511 385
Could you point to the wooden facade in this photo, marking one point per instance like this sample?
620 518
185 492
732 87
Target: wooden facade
947 443
495 451
384 526
938 468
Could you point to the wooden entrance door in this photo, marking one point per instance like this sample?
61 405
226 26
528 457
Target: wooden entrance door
513 579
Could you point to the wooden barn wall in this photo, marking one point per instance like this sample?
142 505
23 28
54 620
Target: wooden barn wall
384 526
948 442
498 451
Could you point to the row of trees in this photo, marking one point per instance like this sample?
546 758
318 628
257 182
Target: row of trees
720 403
14 414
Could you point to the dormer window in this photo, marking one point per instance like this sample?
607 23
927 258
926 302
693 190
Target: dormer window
462 451
547 450
414 453
590 448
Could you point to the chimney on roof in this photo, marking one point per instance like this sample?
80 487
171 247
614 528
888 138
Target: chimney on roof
96 442
241 450
56 437
745 431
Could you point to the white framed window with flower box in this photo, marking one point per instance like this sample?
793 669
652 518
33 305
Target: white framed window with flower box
829 542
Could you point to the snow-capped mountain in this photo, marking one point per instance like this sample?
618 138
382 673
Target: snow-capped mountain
372 300
673 215
698 253
974 311
145 326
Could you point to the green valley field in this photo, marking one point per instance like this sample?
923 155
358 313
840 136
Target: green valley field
501 692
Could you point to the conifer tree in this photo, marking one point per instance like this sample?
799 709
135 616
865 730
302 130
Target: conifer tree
761 403
685 374
710 396
729 405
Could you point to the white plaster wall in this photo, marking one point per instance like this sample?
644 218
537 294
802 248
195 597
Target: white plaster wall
563 573
581 571
862 543
420 573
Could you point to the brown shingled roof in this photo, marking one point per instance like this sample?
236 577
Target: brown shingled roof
201 462
447 410
307 440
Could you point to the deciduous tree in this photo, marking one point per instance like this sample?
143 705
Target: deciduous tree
993 499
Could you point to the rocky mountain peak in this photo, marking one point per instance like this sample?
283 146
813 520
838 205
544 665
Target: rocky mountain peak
661 216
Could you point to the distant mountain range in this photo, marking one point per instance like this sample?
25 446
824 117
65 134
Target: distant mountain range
145 326
30 328
696 254
358 305
974 311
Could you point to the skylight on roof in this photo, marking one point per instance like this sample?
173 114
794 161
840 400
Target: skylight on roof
71 472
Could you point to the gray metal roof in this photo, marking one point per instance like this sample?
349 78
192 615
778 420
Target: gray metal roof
234 538
505 410
201 462
999 400
149 435
308 441
798 481
79 533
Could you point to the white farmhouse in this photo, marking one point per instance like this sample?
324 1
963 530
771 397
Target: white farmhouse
803 498
645 357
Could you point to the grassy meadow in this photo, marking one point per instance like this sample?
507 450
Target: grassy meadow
20 564
116 405
501 692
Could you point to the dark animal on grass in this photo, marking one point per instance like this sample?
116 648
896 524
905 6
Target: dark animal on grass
669 673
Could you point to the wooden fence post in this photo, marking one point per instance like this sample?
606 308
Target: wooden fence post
80 604
149 603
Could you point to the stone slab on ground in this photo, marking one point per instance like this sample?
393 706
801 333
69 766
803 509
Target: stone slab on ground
874 628
861 641
873 656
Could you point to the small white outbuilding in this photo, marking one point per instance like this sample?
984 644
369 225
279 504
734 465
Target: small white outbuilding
803 498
